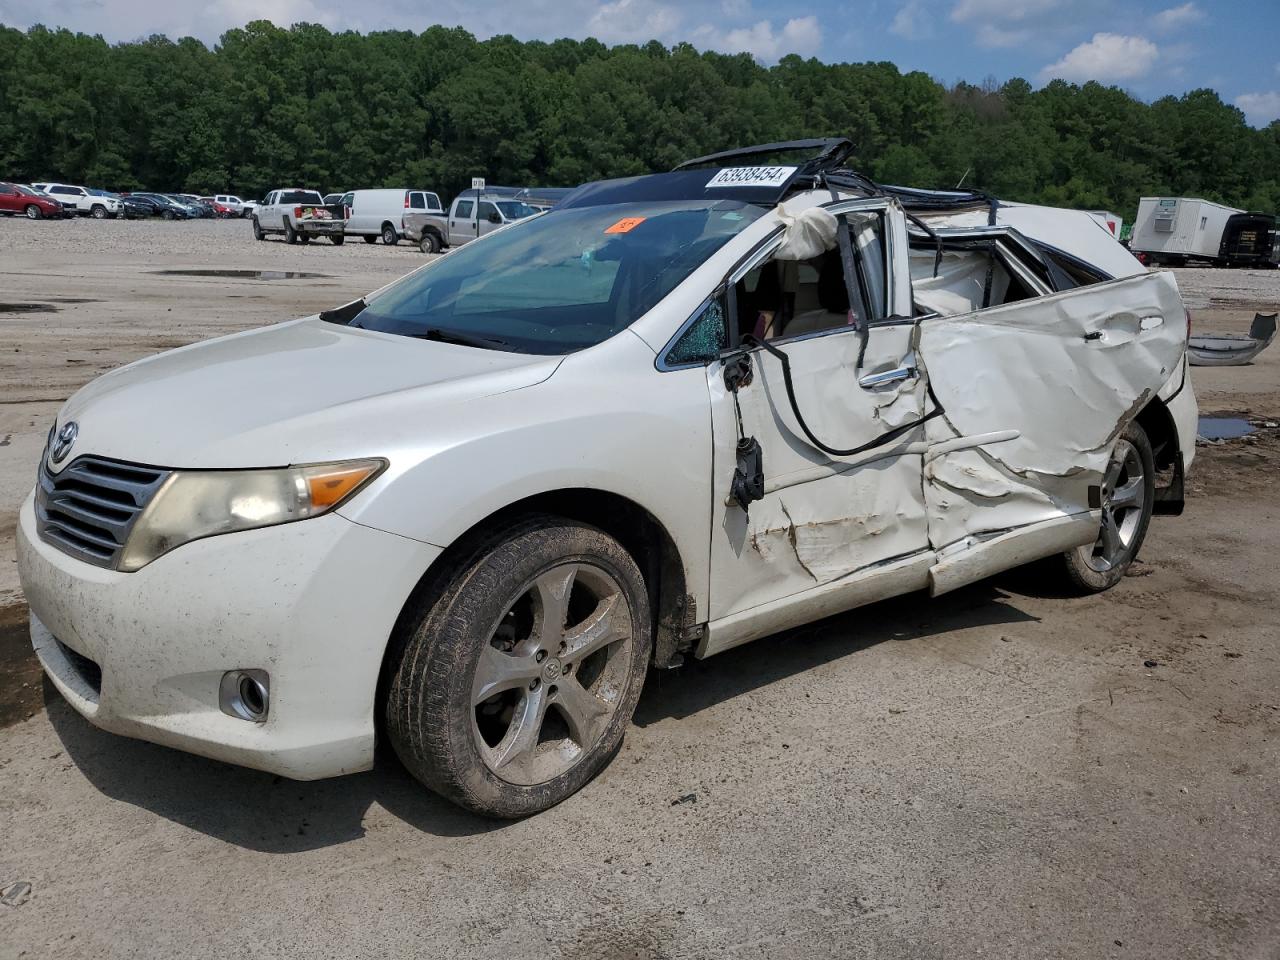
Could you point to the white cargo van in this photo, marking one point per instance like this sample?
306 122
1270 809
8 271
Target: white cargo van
380 213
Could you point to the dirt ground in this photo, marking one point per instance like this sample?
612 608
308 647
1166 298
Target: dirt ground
1003 772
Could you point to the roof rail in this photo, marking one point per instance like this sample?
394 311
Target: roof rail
833 150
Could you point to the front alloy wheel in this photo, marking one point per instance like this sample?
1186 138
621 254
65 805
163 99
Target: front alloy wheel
552 675
518 675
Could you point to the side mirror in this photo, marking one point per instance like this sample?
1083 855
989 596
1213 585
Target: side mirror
495 217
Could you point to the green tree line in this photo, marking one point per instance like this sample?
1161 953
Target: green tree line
304 106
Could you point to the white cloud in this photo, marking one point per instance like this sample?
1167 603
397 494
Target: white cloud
1107 57
911 21
762 40
1174 17
1001 37
1260 108
1004 10
633 21
726 25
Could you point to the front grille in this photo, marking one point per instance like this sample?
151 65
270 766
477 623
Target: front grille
89 508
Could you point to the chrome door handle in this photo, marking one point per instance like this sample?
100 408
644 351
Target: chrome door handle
905 372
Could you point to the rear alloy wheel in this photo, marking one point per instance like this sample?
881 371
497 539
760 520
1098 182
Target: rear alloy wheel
518 675
98 212
1127 495
389 235
33 212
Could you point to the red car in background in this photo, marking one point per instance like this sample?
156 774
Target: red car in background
18 199
219 209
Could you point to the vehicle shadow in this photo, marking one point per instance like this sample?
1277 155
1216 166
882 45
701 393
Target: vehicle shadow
272 814
248 808
700 684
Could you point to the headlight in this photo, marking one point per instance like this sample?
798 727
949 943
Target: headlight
203 503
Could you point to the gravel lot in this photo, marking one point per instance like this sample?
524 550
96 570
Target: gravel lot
995 773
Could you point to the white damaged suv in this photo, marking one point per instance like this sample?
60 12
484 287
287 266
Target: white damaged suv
468 512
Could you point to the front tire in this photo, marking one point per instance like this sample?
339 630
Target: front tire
98 212
169 215
338 239
33 212
370 239
1128 495
516 676
257 230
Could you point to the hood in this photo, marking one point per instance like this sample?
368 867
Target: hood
299 392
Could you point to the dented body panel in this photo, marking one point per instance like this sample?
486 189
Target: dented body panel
1064 374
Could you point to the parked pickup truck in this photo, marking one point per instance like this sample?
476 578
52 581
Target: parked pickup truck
469 217
299 215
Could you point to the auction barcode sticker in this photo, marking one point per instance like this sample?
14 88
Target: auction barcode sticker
751 177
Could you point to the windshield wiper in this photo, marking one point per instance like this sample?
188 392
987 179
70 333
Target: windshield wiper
466 339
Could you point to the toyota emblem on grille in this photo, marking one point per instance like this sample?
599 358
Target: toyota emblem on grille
63 441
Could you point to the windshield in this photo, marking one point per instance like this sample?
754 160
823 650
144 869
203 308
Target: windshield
514 209
25 191
560 282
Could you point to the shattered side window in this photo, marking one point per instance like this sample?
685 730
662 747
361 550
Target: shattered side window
705 338
1068 272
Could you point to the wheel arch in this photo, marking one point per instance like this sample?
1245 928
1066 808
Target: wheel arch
641 534
1158 424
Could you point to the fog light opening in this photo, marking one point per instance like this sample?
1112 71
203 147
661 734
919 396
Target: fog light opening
245 694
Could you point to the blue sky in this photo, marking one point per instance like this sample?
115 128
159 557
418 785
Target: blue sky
1150 47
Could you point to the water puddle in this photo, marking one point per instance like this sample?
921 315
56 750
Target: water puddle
1224 428
247 274
28 308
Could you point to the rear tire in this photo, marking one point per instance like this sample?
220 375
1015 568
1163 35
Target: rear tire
290 234
389 235
512 680
1128 495
33 212
429 243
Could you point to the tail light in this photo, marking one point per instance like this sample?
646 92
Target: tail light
406 201
297 213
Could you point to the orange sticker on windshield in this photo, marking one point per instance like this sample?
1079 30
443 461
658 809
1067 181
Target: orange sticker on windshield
626 225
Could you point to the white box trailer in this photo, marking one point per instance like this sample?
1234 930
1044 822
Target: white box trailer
1174 229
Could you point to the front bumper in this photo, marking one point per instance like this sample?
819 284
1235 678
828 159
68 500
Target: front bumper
142 654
